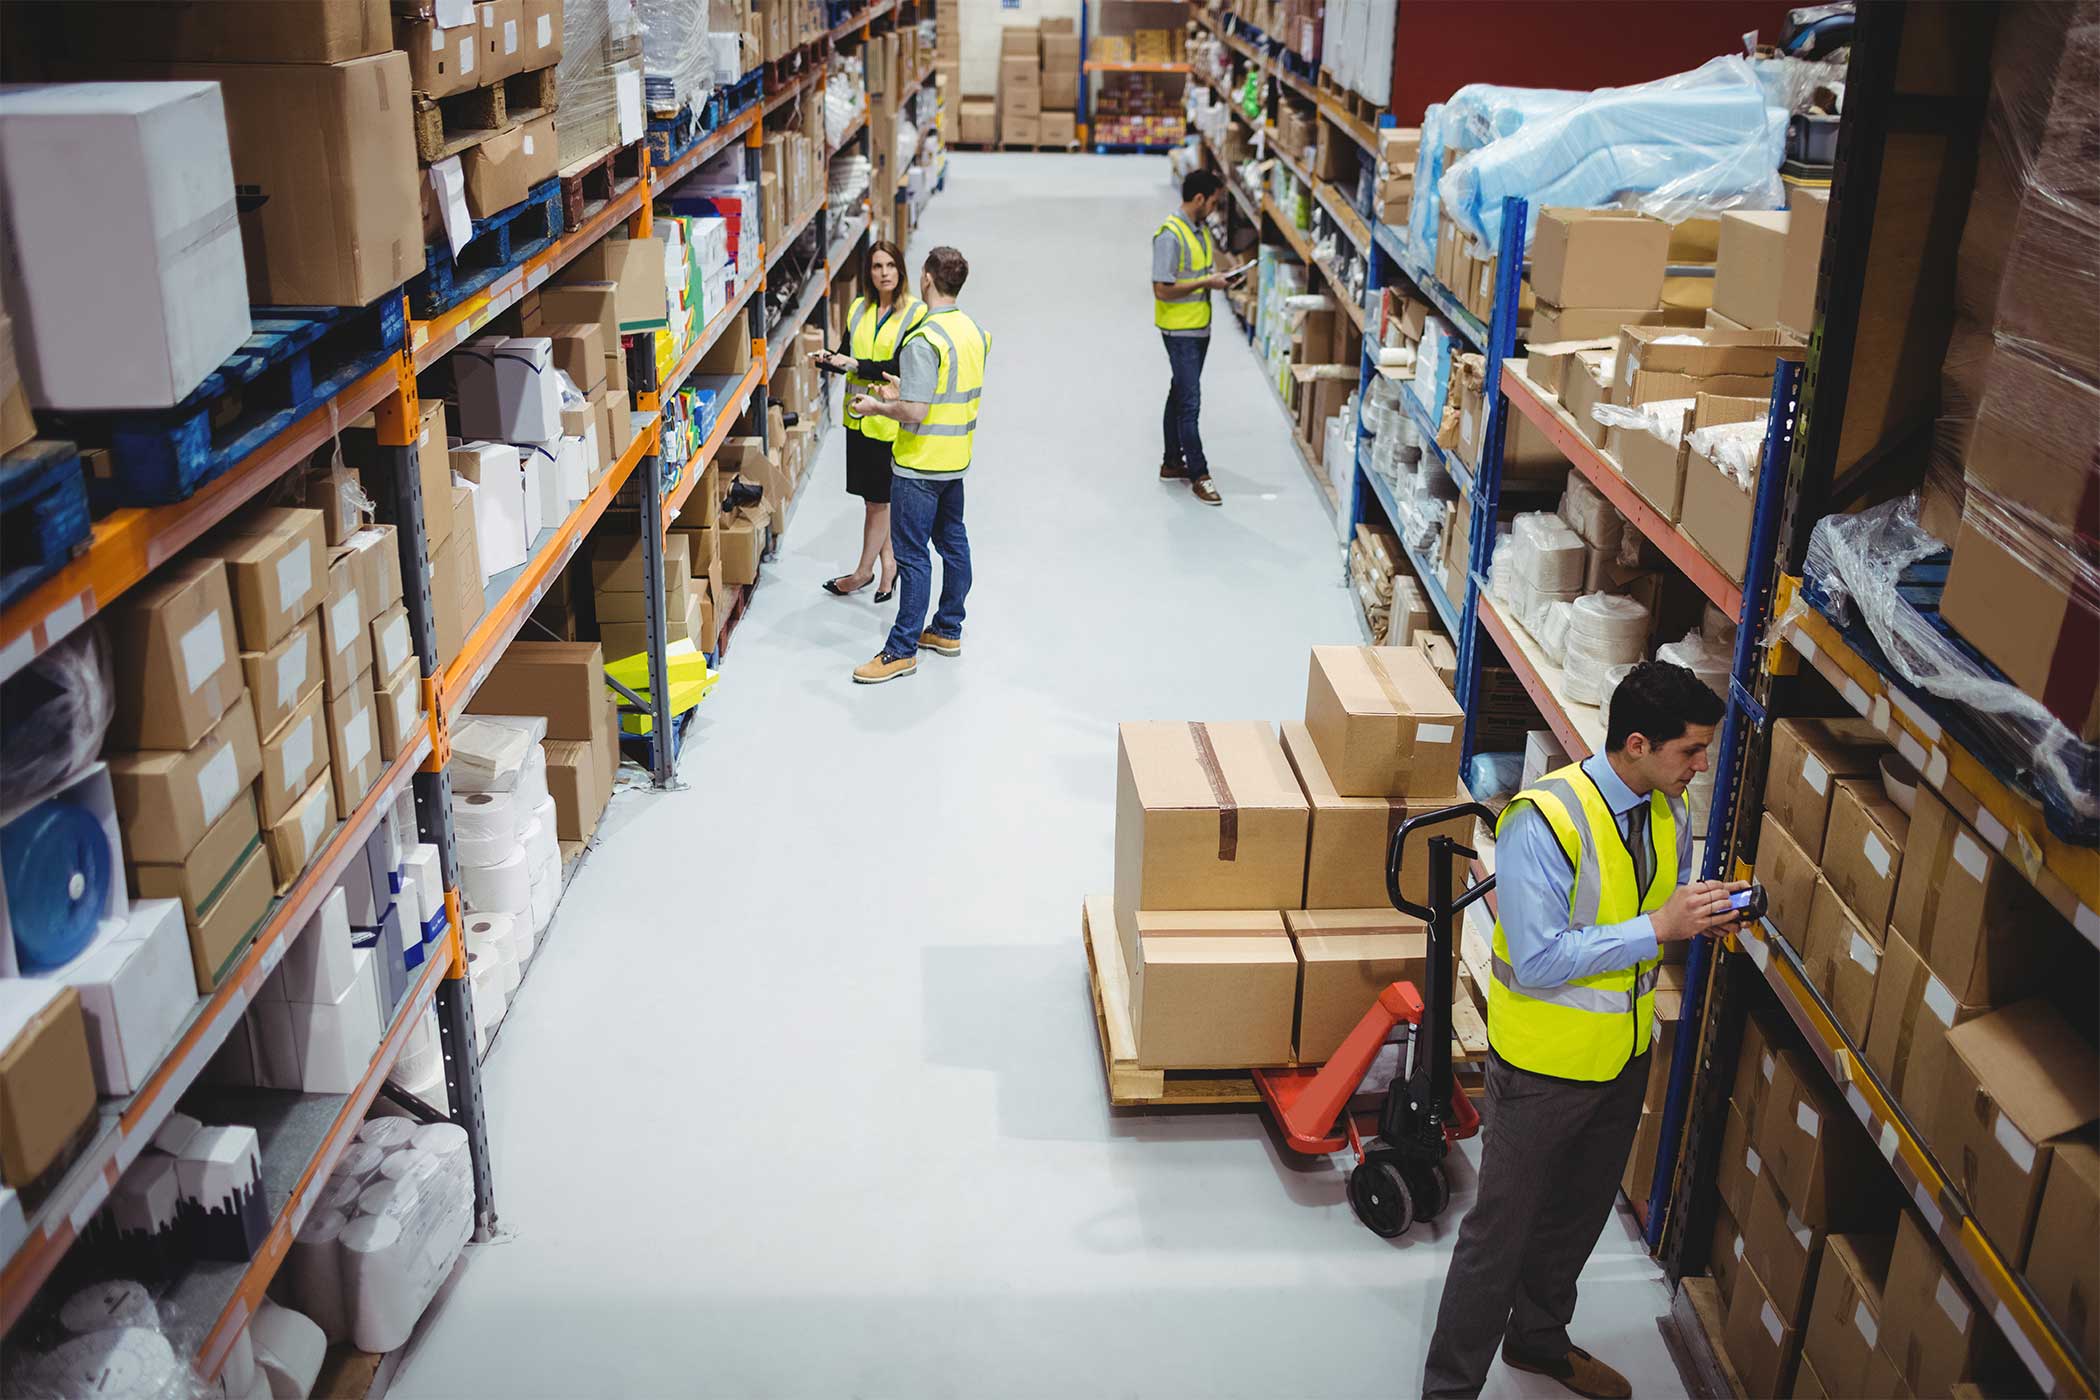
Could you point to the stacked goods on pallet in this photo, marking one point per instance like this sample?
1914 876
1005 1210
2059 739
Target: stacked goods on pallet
947 66
564 684
679 66
1059 84
598 81
893 65
1393 192
1356 49
1020 85
619 580
1250 903
1952 979
509 855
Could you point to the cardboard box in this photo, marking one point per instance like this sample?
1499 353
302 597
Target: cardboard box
2034 426
502 170
1552 324
346 643
1212 989
443 60
1586 383
1057 129
1346 957
294 838
1789 878
397 707
1208 816
2063 1268
1750 273
353 746
2012 599
1781 1249
739 539
1844 1320
980 121
1724 1256
150 244
577 787
1807 756
1017 128
2018 1080
1637 1178
502 37
1652 467
199 877
284 676
1807 1384
222 930
175 662
284 31
1758 1339
635 268
392 646
1863 850
1598 257
1971 912
277 565
1817 1153
1842 958
1736 1174
1715 513
1907 1035
1931 1327
1384 725
325 159
579 352
47 1078
1345 862
563 681
135 989
292 757
1803 259
167 798
1700 353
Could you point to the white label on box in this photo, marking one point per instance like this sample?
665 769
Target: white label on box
1738 1246
1770 1318
1878 716
1766 1064
1929 1208
358 743
218 782
528 143
291 668
299 748
203 652
1855 696
546 31
1939 1001
1804 644
1888 1141
394 643
404 711
1815 774
295 572
466 56
1803 1236
2015 1144
1864 1321
437 39
1435 733
1936 771
1948 1296
510 46
1991 829
312 822
1863 953
1808 1120
345 615
1913 752
1970 857
1877 854
1752 1161
1926 724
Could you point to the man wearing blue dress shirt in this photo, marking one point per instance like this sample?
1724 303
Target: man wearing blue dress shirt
1593 876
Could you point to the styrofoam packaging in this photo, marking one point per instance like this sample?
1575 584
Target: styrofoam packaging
337 1039
498 496
125 276
136 984
318 966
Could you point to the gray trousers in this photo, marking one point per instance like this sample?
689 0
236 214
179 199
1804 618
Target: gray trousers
1551 1155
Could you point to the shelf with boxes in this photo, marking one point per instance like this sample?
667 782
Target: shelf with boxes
865 17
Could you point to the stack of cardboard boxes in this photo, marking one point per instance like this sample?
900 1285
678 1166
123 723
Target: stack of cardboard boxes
1020 85
563 682
1060 84
1399 147
1937 960
1250 900
598 79
485 94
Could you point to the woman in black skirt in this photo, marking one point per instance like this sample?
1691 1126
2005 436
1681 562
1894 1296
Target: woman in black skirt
875 327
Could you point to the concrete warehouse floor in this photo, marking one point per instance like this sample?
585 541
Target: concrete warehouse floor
804 1097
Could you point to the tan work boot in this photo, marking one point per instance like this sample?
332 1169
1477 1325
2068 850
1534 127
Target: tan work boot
1578 1371
884 667
946 646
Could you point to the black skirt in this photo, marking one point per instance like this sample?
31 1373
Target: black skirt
867 468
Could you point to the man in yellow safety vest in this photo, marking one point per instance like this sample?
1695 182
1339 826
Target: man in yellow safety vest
1184 270
1593 867
935 405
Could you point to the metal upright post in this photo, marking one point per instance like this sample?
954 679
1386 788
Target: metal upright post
649 479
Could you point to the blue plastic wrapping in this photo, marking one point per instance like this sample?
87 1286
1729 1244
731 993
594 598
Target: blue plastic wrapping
56 863
1479 113
1697 142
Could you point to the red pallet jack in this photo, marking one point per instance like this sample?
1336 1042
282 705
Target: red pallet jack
1399 1175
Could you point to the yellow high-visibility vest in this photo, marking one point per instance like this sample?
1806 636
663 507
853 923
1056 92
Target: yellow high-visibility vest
941 443
1590 1027
875 335
1190 313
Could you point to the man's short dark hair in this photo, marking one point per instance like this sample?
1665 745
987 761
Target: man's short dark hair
948 269
1659 699
1200 184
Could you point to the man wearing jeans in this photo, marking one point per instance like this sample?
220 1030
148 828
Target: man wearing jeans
935 406
1184 270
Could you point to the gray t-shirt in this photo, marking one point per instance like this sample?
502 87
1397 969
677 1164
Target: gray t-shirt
918 380
1170 264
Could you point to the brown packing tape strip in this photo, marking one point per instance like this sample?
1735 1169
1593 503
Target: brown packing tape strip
1277 932
1220 791
1384 679
1913 1007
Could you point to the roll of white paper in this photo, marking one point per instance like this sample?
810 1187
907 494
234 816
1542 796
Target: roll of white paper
237 1375
314 1268
441 1140
540 840
290 1347
502 888
409 1164
359 1160
395 1198
1396 357
546 893
117 1303
485 825
489 1001
388 1132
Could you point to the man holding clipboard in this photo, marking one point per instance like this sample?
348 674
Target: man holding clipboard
1184 270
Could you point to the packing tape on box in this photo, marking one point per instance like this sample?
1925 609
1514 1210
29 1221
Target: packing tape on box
1220 791
502 888
56 863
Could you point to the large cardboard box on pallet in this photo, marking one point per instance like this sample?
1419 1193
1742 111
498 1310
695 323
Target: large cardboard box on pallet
1211 989
1345 860
1384 724
502 170
1208 816
1346 957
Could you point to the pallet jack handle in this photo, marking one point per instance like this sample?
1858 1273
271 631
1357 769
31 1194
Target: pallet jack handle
1397 848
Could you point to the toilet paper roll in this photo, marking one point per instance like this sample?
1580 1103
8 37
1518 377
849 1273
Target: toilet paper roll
387 1132
341 1194
391 1198
237 1375
441 1140
359 1160
546 893
485 825
117 1303
502 888
1396 357
487 929
489 1001
520 938
532 781
409 1164
539 839
290 1347
114 1361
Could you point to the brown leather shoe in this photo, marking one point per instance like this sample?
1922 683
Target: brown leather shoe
1173 471
884 668
946 646
1578 1371
1205 492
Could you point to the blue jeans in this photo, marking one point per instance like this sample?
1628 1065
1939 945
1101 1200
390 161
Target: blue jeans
1184 402
922 512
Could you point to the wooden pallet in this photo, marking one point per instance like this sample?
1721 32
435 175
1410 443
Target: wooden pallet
496 245
531 95
447 125
588 184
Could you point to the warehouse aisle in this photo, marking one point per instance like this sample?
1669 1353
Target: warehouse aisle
804 1098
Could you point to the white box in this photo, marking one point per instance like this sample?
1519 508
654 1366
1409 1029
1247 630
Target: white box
92 791
474 385
574 459
426 868
543 506
125 277
279 1061
493 471
136 985
336 1041
363 904
318 966
1542 754
508 389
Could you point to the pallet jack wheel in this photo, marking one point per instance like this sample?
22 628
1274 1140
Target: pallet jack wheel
1431 1191
1379 1196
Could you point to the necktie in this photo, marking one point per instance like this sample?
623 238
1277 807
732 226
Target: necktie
1638 843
